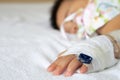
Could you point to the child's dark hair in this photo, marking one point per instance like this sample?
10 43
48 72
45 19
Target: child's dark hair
53 18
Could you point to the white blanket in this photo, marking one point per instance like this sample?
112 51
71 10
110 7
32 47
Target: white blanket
28 45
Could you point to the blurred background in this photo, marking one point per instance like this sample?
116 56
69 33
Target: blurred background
25 1
36 12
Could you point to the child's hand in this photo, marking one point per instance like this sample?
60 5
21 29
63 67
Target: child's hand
67 65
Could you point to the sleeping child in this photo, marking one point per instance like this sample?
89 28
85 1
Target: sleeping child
94 26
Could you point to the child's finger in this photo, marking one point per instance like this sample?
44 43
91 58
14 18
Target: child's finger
53 66
62 65
72 67
83 69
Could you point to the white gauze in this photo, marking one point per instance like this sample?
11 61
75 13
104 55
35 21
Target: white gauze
100 48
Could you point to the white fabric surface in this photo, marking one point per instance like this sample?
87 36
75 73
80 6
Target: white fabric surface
28 45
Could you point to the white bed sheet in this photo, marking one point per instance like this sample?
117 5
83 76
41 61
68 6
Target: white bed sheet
28 45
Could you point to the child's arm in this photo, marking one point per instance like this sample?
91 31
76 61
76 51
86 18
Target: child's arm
114 24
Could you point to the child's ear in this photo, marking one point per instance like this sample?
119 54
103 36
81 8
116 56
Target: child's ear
54 10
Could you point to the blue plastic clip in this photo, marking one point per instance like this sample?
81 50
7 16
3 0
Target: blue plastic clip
85 58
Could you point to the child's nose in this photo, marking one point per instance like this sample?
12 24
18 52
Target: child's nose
74 29
71 27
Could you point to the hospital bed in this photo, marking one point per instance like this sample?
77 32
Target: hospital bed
28 45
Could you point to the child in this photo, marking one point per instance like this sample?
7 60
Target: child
83 19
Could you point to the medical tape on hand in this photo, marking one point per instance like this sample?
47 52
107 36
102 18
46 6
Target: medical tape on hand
100 48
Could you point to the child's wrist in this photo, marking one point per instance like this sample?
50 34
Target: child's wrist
116 45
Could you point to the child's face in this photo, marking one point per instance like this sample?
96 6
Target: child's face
66 8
